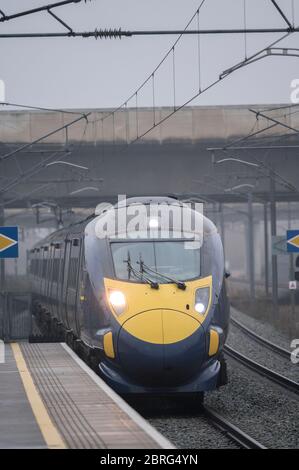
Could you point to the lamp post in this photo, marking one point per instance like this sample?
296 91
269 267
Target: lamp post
250 238
266 243
74 165
273 221
237 160
251 263
86 188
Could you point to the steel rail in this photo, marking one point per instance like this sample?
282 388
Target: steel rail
275 377
259 339
232 431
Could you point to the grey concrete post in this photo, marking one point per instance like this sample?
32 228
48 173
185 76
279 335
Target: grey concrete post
266 240
251 247
274 257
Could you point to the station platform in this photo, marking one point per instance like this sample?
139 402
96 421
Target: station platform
49 398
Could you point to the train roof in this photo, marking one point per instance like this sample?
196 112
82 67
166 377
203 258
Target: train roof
104 209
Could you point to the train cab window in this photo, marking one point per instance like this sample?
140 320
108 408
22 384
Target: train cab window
171 258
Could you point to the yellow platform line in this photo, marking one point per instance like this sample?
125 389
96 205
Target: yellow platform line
48 430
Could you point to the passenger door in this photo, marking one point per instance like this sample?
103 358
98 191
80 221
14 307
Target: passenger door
72 279
64 283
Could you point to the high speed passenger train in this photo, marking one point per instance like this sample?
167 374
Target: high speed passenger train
150 313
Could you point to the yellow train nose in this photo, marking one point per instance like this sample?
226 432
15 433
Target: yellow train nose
161 326
161 347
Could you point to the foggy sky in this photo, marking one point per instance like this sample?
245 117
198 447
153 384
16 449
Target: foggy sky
85 73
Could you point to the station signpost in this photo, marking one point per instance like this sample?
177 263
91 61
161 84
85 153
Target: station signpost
289 245
293 241
9 248
293 248
9 242
292 285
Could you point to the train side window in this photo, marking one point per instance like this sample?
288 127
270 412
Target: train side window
35 267
56 269
38 264
44 268
76 241
74 263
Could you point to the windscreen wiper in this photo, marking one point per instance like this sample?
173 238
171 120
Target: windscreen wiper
144 267
139 275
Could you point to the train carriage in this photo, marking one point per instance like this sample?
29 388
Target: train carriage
151 312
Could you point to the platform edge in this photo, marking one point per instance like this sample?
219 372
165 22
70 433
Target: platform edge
49 431
162 441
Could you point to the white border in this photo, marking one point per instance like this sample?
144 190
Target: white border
123 405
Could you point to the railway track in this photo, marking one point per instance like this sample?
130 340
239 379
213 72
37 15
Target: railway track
259 339
233 432
205 421
262 370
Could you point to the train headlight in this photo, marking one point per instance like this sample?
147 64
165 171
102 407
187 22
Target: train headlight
202 299
153 223
118 301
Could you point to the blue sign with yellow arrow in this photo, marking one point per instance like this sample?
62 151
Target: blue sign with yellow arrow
9 242
293 241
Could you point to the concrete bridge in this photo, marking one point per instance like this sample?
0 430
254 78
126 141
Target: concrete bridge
171 159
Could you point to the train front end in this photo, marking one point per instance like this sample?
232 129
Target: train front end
162 295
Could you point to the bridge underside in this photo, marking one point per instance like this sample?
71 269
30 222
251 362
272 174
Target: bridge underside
174 160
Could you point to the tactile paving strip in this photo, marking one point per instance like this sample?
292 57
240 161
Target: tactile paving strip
84 414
